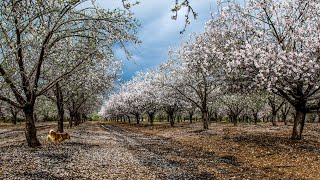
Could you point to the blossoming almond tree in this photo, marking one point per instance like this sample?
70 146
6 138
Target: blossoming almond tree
276 46
195 72
149 89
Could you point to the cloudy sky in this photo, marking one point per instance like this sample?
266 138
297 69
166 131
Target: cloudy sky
158 31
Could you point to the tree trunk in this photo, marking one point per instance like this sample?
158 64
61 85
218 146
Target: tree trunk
14 114
273 119
14 119
59 103
190 117
284 118
298 124
171 119
31 131
77 118
71 119
151 118
255 118
234 119
137 118
205 119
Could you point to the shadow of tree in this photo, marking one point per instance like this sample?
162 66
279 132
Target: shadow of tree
277 143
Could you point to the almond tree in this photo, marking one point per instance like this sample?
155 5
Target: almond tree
132 100
256 104
149 89
275 104
90 83
93 79
276 46
284 112
235 104
195 72
190 109
114 106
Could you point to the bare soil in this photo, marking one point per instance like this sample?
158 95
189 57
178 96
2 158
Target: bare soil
104 150
246 151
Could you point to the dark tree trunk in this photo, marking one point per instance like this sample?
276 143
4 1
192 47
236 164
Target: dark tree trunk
234 118
255 116
129 119
273 118
77 118
151 117
31 131
70 122
14 113
298 125
171 119
84 117
137 118
14 116
205 119
60 108
284 115
71 119
190 117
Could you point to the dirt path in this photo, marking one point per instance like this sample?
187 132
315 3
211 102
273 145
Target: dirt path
162 157
119 151
100 151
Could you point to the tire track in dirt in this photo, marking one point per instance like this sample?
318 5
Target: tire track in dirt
163 157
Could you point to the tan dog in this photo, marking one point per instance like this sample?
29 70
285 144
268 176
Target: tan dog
54 136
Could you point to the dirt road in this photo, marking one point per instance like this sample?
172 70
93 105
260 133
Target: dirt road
99 150
102 151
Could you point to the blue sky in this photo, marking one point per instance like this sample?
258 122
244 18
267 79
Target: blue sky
158 31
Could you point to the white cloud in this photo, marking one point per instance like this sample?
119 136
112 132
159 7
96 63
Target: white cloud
158 31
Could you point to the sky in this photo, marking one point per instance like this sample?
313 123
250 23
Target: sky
158 31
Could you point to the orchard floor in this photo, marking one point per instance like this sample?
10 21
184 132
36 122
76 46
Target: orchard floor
104 150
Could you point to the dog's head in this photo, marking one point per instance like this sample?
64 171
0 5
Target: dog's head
51 132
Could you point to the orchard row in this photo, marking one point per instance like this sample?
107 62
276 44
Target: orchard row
253 59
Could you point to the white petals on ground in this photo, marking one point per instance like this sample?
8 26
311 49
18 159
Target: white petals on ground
95 152
91 153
